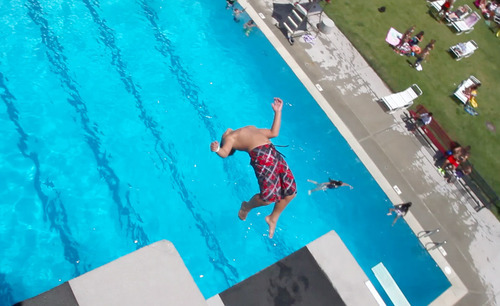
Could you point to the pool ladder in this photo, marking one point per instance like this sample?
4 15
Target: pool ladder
293 22
435 245
423 234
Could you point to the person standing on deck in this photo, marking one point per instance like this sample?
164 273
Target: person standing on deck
275 178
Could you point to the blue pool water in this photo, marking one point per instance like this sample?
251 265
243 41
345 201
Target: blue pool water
108 110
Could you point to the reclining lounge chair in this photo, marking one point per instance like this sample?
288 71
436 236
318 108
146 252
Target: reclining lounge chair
465 25
403 99
462 50
459 93
459 14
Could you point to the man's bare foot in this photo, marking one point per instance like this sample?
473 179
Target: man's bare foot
242 214
272 226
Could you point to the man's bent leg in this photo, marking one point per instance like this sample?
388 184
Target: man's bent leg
246 207
272 219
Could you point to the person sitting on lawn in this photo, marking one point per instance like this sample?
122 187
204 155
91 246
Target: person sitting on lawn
425 53
402 46
480 4
416 39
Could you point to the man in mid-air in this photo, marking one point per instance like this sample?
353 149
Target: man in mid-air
275 178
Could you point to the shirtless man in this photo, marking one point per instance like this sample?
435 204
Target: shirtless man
275 178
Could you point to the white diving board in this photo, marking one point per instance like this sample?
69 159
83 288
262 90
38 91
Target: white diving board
391 288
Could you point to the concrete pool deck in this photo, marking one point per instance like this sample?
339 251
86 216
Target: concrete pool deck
348 89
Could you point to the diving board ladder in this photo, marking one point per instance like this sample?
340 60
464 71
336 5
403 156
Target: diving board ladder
391 288
293 22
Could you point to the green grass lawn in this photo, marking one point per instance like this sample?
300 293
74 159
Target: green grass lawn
366 28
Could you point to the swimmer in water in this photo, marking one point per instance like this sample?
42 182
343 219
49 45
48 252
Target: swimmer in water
248 27
236 14
331 184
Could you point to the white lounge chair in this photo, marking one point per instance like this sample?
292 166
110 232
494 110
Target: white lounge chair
465 25
435 7
459 14
459 93
403 99
462 50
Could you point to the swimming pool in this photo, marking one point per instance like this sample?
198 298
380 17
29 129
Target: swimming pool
109 112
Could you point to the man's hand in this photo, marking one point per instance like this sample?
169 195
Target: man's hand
214 146
277 105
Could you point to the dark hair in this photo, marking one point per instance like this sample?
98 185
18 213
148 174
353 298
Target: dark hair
420 34
404 207
335 183
430 114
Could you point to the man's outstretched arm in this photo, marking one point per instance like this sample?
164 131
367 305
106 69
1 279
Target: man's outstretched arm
275 128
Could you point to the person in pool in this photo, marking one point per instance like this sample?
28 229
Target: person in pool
275 178
236 14
248 27
400 211
230 4
331 184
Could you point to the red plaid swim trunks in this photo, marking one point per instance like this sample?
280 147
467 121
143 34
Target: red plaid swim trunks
275 178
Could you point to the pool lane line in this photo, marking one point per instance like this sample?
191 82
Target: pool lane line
189 90
167 50
57 59
52 206
108 39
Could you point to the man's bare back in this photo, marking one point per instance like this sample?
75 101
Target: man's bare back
245 138
248 137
